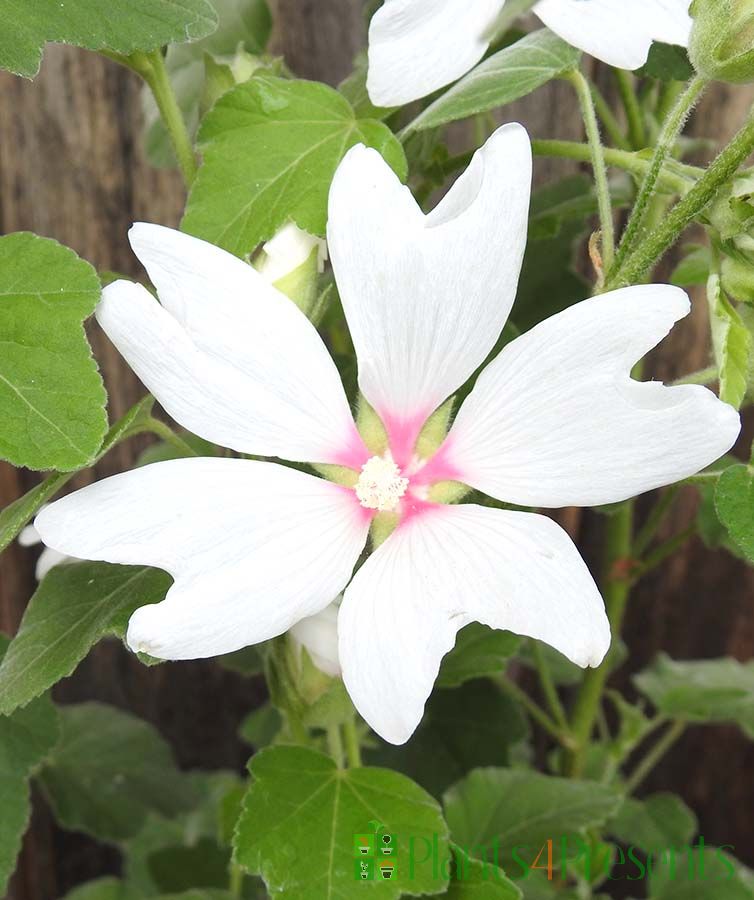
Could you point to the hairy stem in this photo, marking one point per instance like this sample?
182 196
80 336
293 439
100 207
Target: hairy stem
604 203
654 246
666 141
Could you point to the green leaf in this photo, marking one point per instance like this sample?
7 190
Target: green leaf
241 25
207 818
506 76
52 400
654 823
667 62
462 729
21 511
694 268
701 873
709 690
493 811
122 26
179 868
261 727
479 651
109 771
733 344
248 661
302 813
26 738
734 501
103 889
562 670
472 879
73 608
271 147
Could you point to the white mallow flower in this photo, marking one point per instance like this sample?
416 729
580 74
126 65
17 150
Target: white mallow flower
254 547
319 635
289 248
48 558
418 46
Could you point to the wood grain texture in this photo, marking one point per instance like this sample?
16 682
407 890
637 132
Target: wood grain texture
71 167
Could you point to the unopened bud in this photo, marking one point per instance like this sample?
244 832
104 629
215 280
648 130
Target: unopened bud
722 40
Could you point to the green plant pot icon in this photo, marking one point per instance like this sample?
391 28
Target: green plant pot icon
387 869
386 845
363 844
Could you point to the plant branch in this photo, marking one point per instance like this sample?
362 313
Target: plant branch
609 120
604 203
626 88
353 750
654 520
151 67
666 549
548 686
654 755
616 590
666 142
654 246
169 436
535 711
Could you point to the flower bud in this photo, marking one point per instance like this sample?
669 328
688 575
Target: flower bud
722 40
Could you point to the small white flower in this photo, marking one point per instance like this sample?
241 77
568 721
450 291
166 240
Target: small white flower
319 634
255 547
418 46
288 249
48 558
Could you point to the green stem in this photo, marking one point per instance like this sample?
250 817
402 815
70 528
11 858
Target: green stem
652 248
604 203
513 10
151 67
170 437
654 520
609 120
704 376
548 686
677 180
335 744
353 749
616 590
627 90
666 142
235 886
666 549
654 756
535 711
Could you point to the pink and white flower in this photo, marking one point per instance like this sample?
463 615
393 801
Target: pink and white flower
418 46
255 547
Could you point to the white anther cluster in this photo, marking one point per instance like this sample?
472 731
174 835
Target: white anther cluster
380 485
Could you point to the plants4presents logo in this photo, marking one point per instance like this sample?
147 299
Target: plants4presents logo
374 854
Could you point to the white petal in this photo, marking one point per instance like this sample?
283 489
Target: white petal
443 569
418 46
556 420
289 248
253 547
618 34
426 296
228 356
48 559
319 634
29 537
